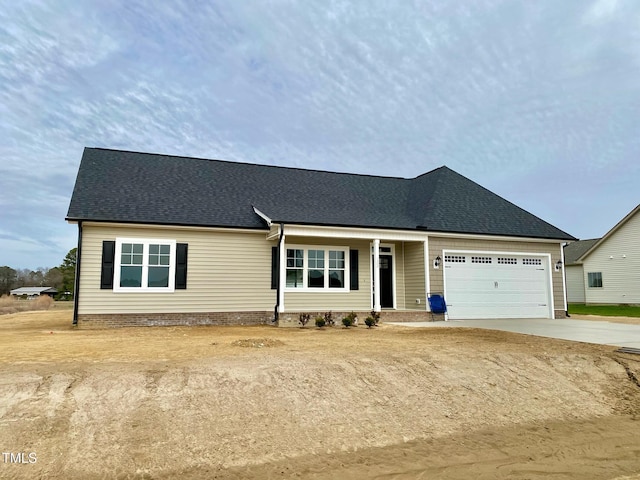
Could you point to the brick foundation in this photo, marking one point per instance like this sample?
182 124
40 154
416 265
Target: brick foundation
114 320
287 319
291 319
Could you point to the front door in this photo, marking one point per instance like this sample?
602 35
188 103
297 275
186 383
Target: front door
386 281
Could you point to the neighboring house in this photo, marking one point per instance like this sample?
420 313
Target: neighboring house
609 266
574 271
32 292
173 240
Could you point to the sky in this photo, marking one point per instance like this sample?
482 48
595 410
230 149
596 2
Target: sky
538 101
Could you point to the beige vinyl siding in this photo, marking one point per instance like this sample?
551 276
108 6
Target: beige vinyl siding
438 244
414 276
227 271
575 284
620 274
325 300
400 283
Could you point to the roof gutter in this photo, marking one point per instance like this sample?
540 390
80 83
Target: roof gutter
76 286
278 282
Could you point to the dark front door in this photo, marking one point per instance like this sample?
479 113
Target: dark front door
386 281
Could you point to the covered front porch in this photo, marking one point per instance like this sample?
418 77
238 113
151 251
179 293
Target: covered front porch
322 269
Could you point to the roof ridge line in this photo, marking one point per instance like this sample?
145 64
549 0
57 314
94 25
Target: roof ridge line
236 162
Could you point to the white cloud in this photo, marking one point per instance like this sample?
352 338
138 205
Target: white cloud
502 92
601 10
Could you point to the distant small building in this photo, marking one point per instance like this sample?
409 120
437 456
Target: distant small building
33 292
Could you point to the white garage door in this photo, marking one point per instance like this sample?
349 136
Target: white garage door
487 285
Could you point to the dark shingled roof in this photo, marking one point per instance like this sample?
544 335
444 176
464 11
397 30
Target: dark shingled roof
121 186
575 250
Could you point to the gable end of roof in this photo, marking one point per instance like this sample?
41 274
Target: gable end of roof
607 235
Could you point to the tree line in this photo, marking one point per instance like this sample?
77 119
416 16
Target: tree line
62 277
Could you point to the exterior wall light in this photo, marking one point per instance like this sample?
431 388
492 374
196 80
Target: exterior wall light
437 261
558 265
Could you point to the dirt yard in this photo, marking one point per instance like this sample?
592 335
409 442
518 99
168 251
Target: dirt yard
266 403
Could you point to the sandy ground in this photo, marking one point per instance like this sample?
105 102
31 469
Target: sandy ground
266 403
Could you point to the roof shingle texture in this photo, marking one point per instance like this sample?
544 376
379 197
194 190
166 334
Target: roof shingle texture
122 186
575 250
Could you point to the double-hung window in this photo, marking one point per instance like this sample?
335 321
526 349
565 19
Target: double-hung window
315 272
295 270
595 279
337 264
317 268
144 265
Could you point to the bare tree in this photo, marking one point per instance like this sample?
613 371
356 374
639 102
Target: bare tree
54 278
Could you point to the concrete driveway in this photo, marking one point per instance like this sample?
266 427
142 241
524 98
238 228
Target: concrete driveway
588 331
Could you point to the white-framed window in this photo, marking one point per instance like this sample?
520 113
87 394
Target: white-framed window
595 279
295 268
144 265
337 267
317 268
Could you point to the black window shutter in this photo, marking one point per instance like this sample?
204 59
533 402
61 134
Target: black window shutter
274 268
181 266
353 270
108 256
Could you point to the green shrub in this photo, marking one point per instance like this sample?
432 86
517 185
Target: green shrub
347 321
320 322
354 319
370 322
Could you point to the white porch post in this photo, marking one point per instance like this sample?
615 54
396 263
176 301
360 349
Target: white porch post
427 279
282 276
376 275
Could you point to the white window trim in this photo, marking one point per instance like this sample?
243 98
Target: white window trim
145 265
305 268
601 280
